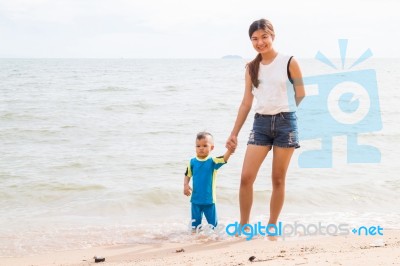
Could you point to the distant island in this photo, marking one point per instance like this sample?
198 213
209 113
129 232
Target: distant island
232 57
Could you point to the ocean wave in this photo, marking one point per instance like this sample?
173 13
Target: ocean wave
171 88
155 196
58 186
141 106
33 132
128 107
12 116
109 89
43 192
360 196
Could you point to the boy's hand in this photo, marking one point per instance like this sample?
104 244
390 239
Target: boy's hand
187 190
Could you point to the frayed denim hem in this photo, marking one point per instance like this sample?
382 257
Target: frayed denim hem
258 143
296 146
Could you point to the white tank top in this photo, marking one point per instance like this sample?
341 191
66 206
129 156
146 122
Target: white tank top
275 92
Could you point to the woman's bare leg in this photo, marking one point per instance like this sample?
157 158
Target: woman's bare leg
253 159
280 163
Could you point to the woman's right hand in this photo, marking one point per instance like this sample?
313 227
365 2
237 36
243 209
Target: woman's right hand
231 143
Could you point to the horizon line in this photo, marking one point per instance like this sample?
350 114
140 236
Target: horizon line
178 58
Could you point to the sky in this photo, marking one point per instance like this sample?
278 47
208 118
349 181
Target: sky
193 29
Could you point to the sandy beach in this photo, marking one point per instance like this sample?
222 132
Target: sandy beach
333 250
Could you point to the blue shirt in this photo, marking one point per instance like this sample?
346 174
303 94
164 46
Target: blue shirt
203 173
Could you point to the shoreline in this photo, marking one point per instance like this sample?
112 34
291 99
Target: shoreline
327 250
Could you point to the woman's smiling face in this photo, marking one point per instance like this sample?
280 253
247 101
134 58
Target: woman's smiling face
262 41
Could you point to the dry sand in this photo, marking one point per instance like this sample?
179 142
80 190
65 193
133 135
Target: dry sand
332 250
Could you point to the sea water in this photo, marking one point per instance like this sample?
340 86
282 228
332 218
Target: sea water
93 152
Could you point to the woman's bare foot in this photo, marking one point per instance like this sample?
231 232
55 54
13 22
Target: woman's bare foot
272 238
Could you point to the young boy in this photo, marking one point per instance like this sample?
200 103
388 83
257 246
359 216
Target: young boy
203 170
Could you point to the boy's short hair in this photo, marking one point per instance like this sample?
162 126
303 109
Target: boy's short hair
203 135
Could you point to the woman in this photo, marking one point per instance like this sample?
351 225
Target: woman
267 79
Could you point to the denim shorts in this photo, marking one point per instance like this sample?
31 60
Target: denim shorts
275 130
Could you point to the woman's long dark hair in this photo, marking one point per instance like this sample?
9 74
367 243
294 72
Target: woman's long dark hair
254 65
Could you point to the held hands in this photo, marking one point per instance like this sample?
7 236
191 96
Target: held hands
187 190
231 143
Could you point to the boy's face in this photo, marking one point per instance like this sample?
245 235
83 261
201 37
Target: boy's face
203 147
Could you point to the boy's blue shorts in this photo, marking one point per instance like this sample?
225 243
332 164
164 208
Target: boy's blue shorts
209 211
